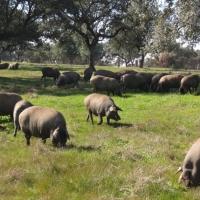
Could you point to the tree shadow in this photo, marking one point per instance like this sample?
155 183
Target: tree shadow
124 95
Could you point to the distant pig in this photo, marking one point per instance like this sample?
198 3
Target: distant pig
107 73
154 81
134 82
169 81
4 65
188 83
103 83
50 72
119 74
13 66
101 105
148 76
68 78
88 74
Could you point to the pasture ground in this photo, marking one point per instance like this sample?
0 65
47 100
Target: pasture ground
135 158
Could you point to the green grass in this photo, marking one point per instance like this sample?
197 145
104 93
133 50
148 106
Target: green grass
135 158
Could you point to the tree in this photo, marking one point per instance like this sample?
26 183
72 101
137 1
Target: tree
145 13
188 22
67 46
20 22
164 59
93 20
183 17
164 37
122 46
138 35
182 57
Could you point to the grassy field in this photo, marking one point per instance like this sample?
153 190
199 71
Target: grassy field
134 158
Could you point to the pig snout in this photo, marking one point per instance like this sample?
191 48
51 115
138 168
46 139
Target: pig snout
117 117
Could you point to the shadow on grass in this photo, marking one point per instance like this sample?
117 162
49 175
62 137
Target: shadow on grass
26 85
83 148
124 95
117 125
196 93
2 128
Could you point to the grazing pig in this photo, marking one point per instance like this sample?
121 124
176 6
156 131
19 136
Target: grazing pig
13 66
189 82
148 76
7 103
190 168
19 107
134 82
169 81
107 73
43 123
101 105
102 83
4 65
68 78
154 81
88 74
119 74
50 72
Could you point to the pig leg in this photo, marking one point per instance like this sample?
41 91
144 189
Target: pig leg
11 117
28 136
94 90
90 115
43 140
16 129
100 119
123 89
77 85
108 120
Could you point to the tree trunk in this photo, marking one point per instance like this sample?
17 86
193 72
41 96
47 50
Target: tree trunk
71 60
92 60
10 56
118 61
141 61
132 64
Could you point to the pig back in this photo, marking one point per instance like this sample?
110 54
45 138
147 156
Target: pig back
41 121
106 73
193 155
19 107
191 164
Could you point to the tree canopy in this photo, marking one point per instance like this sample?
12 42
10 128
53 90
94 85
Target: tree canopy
20 22
93 20
130 27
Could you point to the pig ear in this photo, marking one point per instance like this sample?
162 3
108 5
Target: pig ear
112 108
56 133
119 108
179 170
